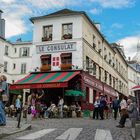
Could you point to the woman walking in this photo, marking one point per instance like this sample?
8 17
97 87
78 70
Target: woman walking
2 113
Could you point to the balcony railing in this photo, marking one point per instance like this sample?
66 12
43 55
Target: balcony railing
44 68
66 66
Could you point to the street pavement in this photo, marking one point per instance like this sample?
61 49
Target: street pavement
74 129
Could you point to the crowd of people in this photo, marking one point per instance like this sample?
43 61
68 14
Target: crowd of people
58 109
125 108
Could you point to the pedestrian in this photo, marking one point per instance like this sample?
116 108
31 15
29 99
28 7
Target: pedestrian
115 106
123 106
2 113
18 106
96 108
60 105
132 114
4 89
102 106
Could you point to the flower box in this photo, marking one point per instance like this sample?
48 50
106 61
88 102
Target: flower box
66 66
46 39
67 36
44 68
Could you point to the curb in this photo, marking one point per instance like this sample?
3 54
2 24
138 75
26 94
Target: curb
25 127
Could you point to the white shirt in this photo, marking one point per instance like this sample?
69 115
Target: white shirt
123 104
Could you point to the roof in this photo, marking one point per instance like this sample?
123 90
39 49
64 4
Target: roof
65 12
22 42
58 13
45 80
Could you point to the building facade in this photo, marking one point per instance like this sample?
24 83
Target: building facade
69 40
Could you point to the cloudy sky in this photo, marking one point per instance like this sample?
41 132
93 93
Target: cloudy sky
119 19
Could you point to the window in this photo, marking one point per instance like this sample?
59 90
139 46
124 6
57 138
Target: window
110 79
24 51
47 33
94 41
94 69
66 61
100 73
99 47
67 31
46 59
105 76
15 50
6 50
5 66
14 66
105 53
55 61
87 62
66 58
23 68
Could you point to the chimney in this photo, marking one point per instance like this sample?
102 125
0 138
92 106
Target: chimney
2 25
98 25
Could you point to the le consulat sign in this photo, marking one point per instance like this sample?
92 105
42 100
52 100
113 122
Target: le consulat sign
50 48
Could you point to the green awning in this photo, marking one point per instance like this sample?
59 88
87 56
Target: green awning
74 93
17 92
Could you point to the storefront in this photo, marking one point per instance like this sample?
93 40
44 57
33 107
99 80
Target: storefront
93 88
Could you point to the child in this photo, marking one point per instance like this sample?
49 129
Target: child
33 111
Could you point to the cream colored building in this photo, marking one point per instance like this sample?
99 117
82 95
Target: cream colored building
73 33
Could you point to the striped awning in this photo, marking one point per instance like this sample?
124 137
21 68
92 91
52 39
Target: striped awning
135 88
45 80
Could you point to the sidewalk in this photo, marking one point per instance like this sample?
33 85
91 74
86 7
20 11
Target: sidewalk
11 127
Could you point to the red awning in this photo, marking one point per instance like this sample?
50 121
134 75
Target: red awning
45 80
135 88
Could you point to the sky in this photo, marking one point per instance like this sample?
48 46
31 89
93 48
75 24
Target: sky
119 19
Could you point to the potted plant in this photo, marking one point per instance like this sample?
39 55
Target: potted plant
67 36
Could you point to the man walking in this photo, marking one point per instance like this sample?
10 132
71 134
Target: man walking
115 104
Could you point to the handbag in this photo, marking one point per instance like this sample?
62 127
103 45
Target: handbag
4 97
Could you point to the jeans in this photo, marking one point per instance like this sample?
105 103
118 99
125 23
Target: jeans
95 113
115 113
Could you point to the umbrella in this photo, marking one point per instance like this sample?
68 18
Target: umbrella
74 93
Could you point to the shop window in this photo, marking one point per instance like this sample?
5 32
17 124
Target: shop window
67 31
66 61
47 33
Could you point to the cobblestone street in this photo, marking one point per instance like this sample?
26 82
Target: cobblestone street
87 126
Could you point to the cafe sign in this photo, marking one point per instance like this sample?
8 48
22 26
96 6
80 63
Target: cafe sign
52 48
93 83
